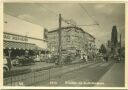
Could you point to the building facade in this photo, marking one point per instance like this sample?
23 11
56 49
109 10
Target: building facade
73 39
20 36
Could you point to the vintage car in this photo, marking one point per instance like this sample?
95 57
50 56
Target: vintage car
52 59
6 66
26 60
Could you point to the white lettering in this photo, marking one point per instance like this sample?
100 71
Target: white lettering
15 37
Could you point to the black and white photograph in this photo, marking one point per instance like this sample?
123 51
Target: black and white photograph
59 44
66 89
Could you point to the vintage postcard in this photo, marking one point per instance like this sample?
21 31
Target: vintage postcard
65 89
74 44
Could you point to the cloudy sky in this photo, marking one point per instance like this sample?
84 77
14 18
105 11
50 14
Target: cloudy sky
46 15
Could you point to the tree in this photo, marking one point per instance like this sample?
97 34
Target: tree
102 49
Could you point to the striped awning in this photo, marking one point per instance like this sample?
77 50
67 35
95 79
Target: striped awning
41 49
19 45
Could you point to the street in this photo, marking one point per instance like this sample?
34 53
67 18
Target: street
91 75
86 74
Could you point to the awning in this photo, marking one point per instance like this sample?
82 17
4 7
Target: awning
41 49
38 48
19 45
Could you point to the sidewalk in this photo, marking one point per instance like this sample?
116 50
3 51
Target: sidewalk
113 77
37 65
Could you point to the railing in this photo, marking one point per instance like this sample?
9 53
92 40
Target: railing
30 77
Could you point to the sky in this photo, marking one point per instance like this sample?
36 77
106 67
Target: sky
47 15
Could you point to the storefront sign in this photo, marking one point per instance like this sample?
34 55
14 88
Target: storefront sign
11 37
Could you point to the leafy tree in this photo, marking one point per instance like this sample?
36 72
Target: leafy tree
102 49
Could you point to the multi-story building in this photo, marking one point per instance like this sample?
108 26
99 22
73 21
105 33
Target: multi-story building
73 39
20 36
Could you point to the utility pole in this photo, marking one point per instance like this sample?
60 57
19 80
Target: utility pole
120 46
59 38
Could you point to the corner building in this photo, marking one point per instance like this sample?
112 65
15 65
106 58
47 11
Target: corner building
73 40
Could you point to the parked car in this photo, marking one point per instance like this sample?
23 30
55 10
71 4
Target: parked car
26 60
42 58
68 58
5 66
52 59
117 59
37 59
15 62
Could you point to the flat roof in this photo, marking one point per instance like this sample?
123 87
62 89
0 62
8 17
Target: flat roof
55 30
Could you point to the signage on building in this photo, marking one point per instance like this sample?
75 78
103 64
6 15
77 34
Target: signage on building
11 37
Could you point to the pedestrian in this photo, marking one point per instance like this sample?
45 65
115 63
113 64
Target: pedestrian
102 57
81 57
86 58
107 57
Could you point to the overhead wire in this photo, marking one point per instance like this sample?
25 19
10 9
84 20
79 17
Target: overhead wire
55 13
42 7
85 10
87 13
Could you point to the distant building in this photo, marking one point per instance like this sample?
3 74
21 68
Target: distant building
74 40
114 45
114 39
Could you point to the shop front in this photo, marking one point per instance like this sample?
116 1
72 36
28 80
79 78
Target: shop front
19 47
13 49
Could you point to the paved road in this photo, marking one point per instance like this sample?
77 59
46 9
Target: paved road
87 76
41 75
83 74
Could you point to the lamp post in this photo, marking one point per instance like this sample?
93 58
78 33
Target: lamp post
120 46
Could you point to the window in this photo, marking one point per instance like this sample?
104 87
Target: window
68 38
